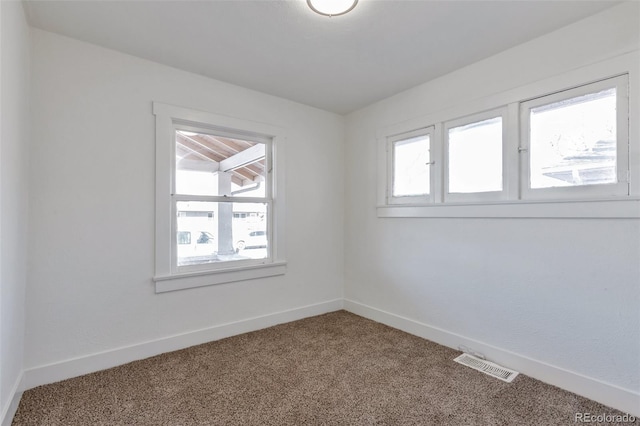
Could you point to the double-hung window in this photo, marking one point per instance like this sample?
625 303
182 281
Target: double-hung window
216 215
219 174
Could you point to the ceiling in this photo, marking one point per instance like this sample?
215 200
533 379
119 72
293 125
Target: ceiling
281 47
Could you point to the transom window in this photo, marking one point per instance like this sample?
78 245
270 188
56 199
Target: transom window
575 142
572 144
412 168
474 156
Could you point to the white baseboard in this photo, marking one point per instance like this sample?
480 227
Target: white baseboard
58 371
9 410
613 396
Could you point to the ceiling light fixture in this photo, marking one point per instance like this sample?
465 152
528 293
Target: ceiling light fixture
332 7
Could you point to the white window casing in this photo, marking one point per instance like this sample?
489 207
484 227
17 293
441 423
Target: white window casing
517 199
452 197
169 275
614 189
430 165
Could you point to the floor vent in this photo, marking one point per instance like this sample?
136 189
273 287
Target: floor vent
487 367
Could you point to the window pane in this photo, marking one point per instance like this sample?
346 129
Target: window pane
475 157
410 166
221 232
216 165
573 142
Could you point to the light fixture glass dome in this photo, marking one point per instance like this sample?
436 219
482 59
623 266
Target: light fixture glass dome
332 7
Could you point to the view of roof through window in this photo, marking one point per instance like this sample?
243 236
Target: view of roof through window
210 230
200 154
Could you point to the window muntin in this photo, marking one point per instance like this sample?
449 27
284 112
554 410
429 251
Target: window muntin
220 197
411 168
575 143
475 157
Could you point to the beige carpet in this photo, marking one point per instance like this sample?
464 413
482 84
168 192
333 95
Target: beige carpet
334 369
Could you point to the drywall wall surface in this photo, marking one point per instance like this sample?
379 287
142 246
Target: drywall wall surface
564 292
14 144
605 35
92 242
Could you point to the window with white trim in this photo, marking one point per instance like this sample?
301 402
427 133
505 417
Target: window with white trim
216 215
575 143
411 163
474 160
543 150
217 175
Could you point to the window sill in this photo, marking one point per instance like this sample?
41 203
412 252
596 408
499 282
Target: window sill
628 208
205 278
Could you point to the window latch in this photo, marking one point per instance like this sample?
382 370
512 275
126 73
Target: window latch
430 163
521 149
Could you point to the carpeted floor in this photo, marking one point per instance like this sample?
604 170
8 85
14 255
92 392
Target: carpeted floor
334 369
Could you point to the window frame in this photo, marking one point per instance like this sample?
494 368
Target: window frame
168 275
619 188
514 205
175 197
502 113
411 199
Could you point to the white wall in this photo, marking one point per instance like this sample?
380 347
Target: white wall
559 292
14 144
90 294
91 243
